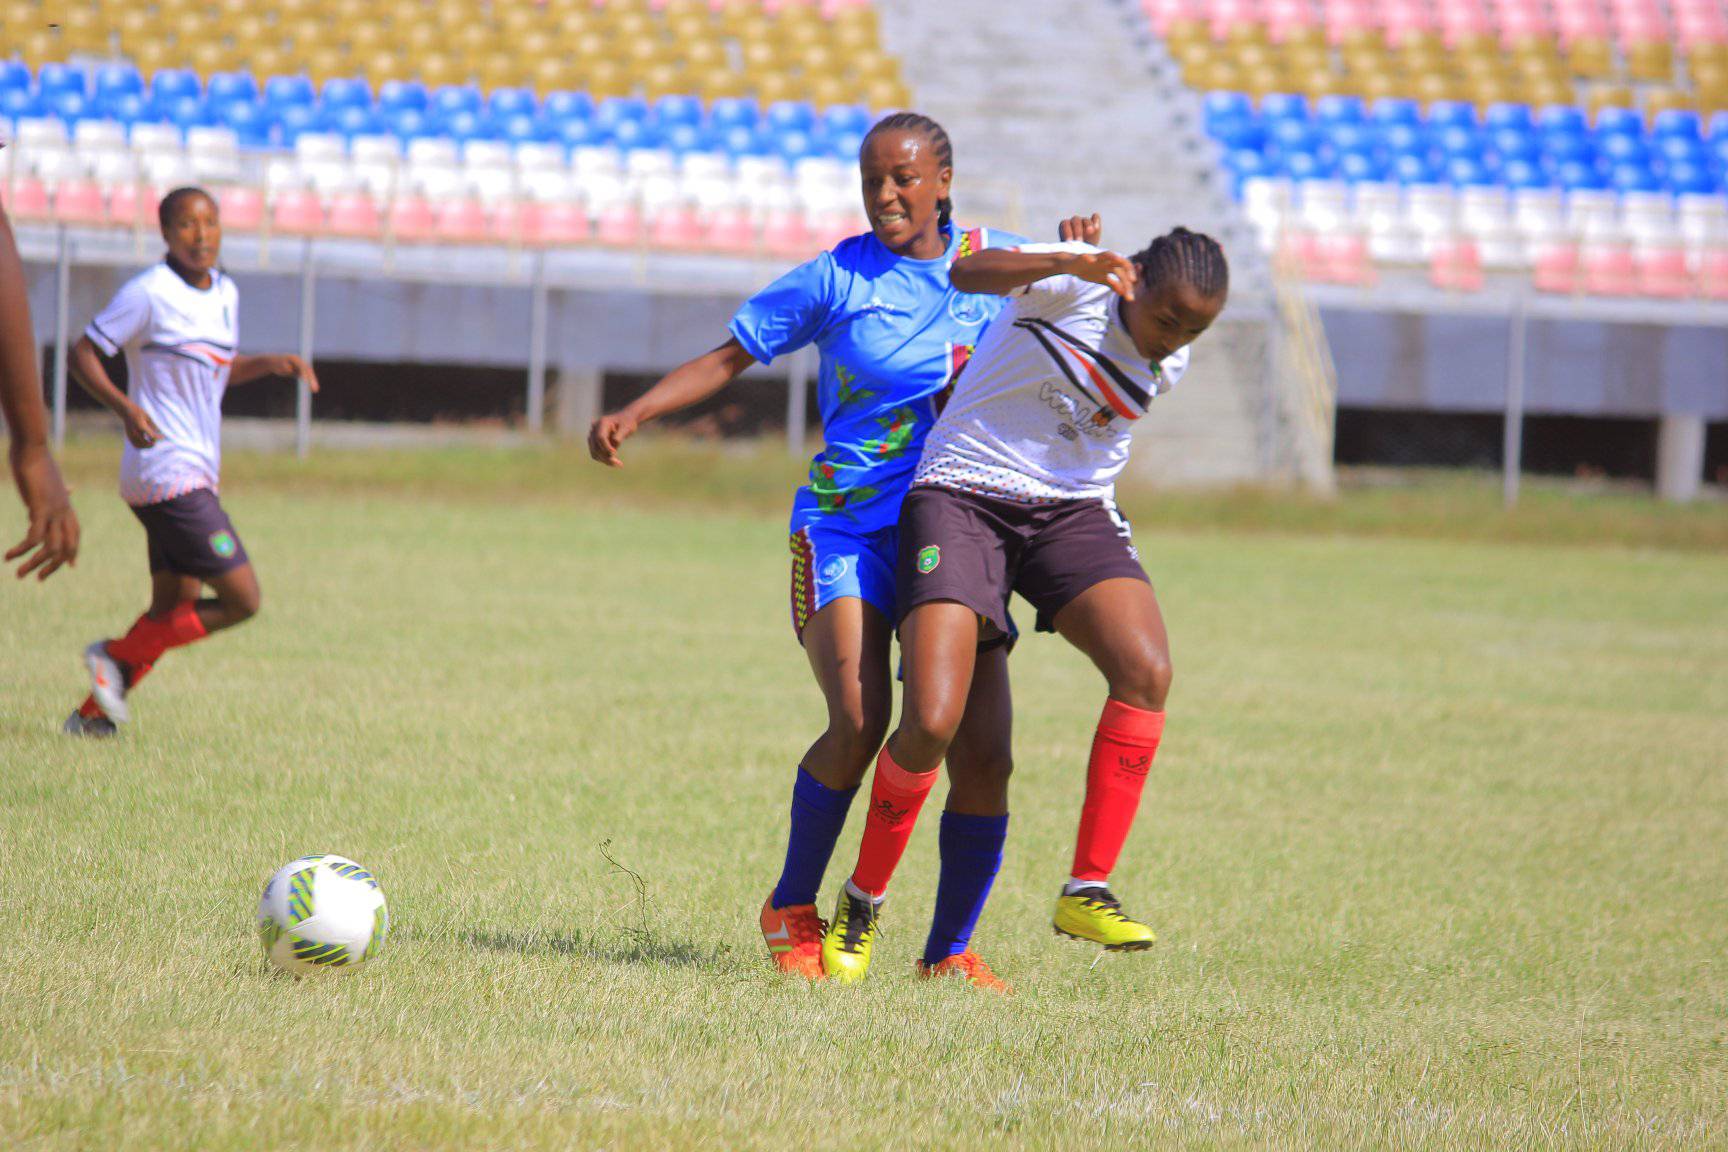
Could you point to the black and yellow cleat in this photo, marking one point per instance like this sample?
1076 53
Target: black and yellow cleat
846 944
1095 914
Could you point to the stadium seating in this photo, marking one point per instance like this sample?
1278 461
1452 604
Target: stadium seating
522 121
1581 142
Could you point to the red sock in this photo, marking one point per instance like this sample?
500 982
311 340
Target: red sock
1122 752
149 638
896 795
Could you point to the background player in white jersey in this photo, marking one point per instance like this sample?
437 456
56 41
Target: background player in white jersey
1015 493
178 326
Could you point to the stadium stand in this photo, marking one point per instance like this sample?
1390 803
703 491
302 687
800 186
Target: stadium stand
725 126
1581 143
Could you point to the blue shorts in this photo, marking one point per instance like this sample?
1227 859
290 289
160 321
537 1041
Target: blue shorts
832 561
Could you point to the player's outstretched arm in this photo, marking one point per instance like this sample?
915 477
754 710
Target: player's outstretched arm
246 369
52 538
999 271
86 366
689 383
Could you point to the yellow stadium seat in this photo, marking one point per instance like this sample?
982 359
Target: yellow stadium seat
268 60
720 84
673 11
698 56
1593 59
826 90
685 29
884 95
853 38
548 74
152 56
207 56
1650 61
1381 86
1610 96
1542 93
1667 100
876 66
602 78
474 41
1431 86
1246 33
1311 37
588 46
438 68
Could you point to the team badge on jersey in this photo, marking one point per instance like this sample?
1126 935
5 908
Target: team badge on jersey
833 569
928 557
222 543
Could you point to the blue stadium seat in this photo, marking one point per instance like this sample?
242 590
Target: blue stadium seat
1468 172
1680 123
18 103
1634 178
1228 105
1292 136
1340 110
1283 106
1361 168
1400 139
67 105
677 109
226 86
1691 179
452 99
399 95
249 122
522 128
738 140
408 123
1352 137
1305 166
294 121
685 137
187 112
1411 168
845 145
631 133
1245 163
53 80
1524 174
1239 134
130 108
616 110
1391 110
791 144
1568 147
1457 140
116 80
1516 144
847 118
464 125
172 84
1618 150
1574 175
579 131
14 74
1563 118
346 92
734 112
506 102
790 116
1452 113
282 90
1515 116
1619 122
561 106
352 120
1682 150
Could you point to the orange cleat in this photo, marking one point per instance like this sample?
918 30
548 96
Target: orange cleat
794 936
971 967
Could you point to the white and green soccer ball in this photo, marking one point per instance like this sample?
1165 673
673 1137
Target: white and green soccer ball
322 913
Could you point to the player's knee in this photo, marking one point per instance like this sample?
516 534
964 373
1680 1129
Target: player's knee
244 604
930 728
1143 680
857 733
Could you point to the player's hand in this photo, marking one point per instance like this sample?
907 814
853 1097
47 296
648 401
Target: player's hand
605 436
1086 229
140 429
298 369
53 534
1111 269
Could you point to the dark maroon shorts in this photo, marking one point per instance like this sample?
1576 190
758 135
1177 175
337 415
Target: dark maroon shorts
975 550
190 535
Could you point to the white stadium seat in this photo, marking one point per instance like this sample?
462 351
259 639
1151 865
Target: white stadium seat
315 147
540 156
156 138
432 152
375 149
99 136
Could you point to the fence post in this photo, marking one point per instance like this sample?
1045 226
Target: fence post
1512 444
303 390
537 347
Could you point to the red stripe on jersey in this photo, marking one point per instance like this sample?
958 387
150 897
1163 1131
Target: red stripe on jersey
1105 388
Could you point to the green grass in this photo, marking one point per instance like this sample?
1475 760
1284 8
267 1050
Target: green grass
1437 845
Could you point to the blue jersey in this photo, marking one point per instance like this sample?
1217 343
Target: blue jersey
893 334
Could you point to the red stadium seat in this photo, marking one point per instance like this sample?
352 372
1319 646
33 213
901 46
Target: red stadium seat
242 208
130 208
1713 273
676 227
27 199
411 219
297 212
80 202
1662 273
1556 268
353 214
1343 259
1610 270
1456 266
461 221
620 224
505 221
556 223
731 230
1298 254
785 234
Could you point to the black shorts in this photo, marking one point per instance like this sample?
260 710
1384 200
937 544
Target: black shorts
190 535
975 550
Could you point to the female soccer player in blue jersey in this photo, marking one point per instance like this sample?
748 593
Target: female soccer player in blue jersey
893 334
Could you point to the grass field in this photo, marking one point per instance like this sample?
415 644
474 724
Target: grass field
1437 845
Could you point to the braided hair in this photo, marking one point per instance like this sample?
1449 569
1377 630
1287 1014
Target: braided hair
939 143
171 203
1181 256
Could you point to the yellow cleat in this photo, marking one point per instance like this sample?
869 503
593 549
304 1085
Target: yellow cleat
846 944
1095 914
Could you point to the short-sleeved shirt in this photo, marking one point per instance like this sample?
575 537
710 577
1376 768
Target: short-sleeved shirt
179 343
893 334
1048 405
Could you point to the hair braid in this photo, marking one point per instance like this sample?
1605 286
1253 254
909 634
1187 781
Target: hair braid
1181 256
939 143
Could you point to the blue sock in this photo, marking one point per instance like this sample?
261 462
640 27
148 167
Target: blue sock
818 815
971 857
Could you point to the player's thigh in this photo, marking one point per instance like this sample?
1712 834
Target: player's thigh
954 548
238 590
983 745
1118 625
938 654
847 642
170 588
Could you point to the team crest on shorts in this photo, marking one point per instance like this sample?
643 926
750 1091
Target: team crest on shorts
222 543
928 557
831 571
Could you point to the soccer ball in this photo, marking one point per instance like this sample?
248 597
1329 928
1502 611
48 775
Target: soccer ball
322 913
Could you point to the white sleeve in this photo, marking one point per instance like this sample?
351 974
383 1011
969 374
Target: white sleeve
126 316
1052 292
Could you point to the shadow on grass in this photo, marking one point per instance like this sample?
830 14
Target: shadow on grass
628 947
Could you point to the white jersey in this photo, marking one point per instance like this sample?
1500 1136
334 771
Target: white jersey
179 343
1045 408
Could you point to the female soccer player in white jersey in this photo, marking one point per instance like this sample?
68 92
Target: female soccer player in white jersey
1015 493
893 334
178 326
